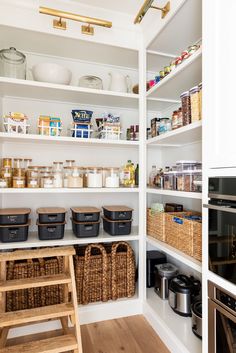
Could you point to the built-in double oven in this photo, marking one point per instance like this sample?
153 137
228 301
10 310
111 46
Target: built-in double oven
222 261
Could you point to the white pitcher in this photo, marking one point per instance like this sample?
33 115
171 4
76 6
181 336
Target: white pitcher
119 82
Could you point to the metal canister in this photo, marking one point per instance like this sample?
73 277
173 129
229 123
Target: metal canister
167 70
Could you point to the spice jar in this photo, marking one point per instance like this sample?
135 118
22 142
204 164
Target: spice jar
18 182
33 182
17 163
194 98
200 100
94 178
175 120
75 177
3 183
46 182
70 163
7 162
186 108
111 177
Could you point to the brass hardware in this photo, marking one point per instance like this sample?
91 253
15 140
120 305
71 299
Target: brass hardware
74 17
148 5
59 24
87 30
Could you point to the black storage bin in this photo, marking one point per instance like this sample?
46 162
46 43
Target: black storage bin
51 215
51 231
117 227
16 216
117 213
14 233
85 229
85 214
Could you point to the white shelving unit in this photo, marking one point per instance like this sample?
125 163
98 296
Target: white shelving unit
68 190
182 194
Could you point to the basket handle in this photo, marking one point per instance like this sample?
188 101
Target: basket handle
87 259
114 249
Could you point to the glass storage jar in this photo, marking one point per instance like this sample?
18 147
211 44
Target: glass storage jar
186 165
6 174
46 181
7 162
180 118
94 177
180 181
58 166
197 182
33 182
75 178
17 163
175 120
165 126
33 172
57 179
159 179
194 98
169 181
3 183
200 100
67 173
18 172
186 107
70 163
111 177
12 63
27 162
18 182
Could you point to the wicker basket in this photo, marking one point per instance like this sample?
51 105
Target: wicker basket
183 234
34 297
103 272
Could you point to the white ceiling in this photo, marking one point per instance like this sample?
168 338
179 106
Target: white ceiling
130 7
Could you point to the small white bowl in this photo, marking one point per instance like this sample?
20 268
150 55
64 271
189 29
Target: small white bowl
51 73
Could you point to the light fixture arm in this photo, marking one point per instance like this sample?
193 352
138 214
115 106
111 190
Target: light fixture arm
148 5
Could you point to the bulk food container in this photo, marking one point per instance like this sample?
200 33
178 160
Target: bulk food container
122 227
51 214
111 177
117 213
94 177
74 177
51 231
12 216
187 165
85 214
33 182
7 162
13 233
85 229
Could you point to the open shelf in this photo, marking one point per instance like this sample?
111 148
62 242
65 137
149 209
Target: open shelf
184 77
156 60
62 93
177 329
32 138
69 239
179 137
67 190
161 104
183 29
178 255
188 195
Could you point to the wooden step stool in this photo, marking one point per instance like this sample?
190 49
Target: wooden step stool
70 340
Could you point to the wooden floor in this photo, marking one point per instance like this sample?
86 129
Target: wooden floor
127 335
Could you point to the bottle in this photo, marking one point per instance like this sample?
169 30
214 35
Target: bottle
137 175
127 175
152 176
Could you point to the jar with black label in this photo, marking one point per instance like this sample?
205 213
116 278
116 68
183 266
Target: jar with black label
186 108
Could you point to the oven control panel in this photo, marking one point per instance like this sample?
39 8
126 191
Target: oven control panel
226 300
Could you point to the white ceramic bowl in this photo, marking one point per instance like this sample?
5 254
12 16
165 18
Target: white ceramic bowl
52 73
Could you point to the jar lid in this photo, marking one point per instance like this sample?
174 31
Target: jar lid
194 89
167 270
7 158
57 162
12 55
184 94
70 160
28 159
18 159
94 168
47 177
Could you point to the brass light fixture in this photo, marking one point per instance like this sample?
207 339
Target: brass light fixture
148 5
86 29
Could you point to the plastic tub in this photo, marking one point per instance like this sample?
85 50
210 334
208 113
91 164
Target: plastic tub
117 213
51 231
117 227
14 233
51 215
9 216
85 229
85 214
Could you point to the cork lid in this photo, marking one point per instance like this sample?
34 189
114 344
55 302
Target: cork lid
50 210
85 210
117 208
14 211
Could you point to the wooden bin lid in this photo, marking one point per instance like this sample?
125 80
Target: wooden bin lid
50 210
85 209
16 225
118 221
14 211
117 208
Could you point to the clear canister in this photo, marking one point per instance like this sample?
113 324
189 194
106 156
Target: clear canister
186 165
33 182
33 172
169 181
18 182
27 162
46 182
19 172
7 162
57 179
66 172
75 178
197 182
194 98
200 100
70 163
159 179
180 181
18 163
111 177
6 174
3 183
94 178
175 120
186 107
58 166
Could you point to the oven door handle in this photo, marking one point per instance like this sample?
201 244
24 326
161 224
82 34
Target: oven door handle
222 196
223 311
220 208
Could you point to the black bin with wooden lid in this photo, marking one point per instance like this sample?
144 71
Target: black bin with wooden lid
51 231
14 232
117 213
14 216
47 215
85 214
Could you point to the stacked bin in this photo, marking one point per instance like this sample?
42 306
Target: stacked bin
117 220
14 224
51 223
85 221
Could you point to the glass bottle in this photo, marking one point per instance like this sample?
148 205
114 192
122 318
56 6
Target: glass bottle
137 175
152 176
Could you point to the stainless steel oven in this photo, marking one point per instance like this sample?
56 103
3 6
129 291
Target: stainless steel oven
221 320
222 227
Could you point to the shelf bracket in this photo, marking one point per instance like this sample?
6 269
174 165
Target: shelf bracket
148 5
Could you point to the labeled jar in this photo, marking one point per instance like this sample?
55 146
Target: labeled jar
3 183
175 120
32 172
19 172
7 162
46 182
18 182
112 179
159 179
75 177
186 108
200 100
33 182
67 173
57 179
27 162
94 177
194 98
70 163
18 163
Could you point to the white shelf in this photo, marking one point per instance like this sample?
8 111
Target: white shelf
161 104
184 77
179 137
68 190
69 239
63 93
32 138
178 255
188 195
177 328
184 28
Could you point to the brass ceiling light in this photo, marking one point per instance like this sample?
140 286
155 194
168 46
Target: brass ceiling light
86 29
148 5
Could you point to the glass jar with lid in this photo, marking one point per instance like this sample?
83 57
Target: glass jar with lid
12 63
94 177
57 178
58 166
70 163
7 162
17 163
75 177
197 182
67 171
27 162
19 172
159 179
186 107
169 180
3 183
165 126
186 165
194 98
18 182
33 172
33 182
175 120
46 181
111 177
6 174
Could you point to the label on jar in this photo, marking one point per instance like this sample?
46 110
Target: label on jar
33 182
19 182
125 175
3 184
7 175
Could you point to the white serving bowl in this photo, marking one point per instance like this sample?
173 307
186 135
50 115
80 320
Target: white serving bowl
51 73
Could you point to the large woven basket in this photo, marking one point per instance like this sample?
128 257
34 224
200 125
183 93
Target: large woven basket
104 272
183 234
34 297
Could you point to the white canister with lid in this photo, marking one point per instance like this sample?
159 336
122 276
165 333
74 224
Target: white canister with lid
112 179
94 177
